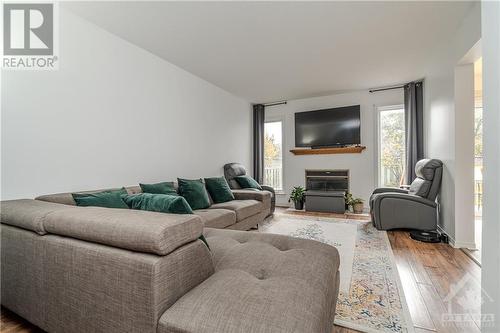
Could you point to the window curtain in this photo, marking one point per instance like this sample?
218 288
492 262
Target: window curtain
414 109
258 142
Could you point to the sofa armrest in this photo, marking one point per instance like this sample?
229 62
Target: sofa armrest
389 190
246 194
268 188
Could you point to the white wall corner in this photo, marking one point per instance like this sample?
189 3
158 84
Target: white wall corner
464 156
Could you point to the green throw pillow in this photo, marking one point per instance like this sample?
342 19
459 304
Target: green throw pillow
219 189
247 182
194 192
163 203
108 199
159 188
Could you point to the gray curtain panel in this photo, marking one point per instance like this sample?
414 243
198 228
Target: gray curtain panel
414 110
258 142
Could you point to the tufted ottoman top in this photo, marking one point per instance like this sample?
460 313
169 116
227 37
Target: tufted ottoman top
262 283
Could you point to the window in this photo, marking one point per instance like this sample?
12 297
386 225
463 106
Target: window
392 146
273 155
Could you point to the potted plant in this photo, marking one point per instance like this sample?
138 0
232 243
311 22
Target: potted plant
347 199
357 205
298 196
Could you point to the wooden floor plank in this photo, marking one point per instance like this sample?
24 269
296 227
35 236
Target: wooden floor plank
416 304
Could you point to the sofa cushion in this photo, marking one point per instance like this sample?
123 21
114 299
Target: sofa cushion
195 193
130 229
218 189
216 218
27 213
162 203
420 187
243 208
108 199
159 188
262 283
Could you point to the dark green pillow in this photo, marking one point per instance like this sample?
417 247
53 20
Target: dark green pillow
108 199
163 203
159 188
194 192
247 182
219 189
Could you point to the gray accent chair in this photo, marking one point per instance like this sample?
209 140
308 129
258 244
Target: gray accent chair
232 170
415 208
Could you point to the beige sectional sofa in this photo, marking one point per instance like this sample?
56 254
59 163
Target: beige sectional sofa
90 269
248 210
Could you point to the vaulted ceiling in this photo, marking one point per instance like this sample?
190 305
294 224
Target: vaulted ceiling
267 51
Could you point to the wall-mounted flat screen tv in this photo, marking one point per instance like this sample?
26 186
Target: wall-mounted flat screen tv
335 127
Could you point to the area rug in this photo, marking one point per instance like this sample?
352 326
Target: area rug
371 297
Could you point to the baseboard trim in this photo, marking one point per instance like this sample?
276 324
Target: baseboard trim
453 242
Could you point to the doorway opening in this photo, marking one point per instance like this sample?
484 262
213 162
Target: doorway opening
478 157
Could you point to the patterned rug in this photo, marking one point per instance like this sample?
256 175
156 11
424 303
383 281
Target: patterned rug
371 297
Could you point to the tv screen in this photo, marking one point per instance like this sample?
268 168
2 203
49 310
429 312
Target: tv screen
328 128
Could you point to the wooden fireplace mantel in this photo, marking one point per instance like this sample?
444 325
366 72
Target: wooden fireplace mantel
322 151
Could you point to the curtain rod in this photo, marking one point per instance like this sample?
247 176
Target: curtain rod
395 87
275 103
388 88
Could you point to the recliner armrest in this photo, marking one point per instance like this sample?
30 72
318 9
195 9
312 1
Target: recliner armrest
389 190
400 196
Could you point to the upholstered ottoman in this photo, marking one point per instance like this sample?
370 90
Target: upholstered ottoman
262 283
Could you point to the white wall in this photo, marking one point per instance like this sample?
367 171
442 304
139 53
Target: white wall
113 115
363 167
491 139
464 155
439 115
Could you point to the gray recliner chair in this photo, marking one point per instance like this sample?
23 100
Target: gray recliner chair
232 170
416 208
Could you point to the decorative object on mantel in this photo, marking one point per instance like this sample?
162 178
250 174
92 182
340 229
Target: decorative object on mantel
298 197
322 151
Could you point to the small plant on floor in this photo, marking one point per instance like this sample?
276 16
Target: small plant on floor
298 196
347 198
357 205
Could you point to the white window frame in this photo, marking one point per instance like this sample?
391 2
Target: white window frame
283 145
379 110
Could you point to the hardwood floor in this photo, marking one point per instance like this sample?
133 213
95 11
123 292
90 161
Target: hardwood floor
427 272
